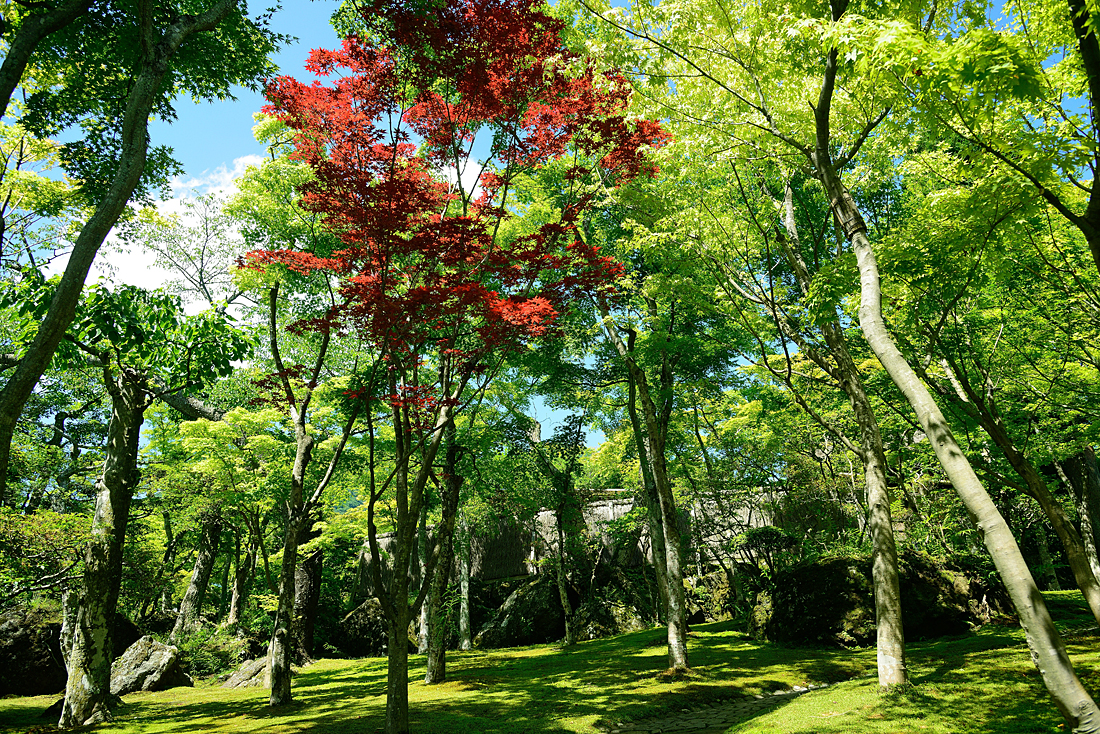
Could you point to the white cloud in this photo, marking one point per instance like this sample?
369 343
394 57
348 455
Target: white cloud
136 266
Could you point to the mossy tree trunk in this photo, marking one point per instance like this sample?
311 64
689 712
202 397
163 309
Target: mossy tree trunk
88 696
210 532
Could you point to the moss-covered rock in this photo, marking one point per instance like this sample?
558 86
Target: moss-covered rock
531 614
831 602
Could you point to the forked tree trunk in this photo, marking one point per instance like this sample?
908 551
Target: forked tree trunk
1047 649
889 630
1081 476
88 690
282 643
191 607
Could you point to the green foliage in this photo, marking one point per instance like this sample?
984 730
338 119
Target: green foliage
209 650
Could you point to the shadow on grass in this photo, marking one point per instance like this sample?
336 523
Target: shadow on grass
541 689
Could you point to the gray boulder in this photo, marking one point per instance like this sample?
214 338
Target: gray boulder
30 653
363 632
249 675
531 614
148 665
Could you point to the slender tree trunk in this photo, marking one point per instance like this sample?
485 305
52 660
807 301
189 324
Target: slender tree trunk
465 633
225 589
193 599
653 506
421 555
563 584
890 634
282 644
436 663
88 690
281 648
1048 650
1047 573
242 577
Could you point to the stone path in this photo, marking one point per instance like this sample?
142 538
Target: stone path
714 718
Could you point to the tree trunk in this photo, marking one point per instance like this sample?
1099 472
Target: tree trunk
563 584
1047 648
1046 563
88 690
191 606
135 138
282 643
436 664
397 672
890 634
653 506
225 589
307 595
420 558
242 577
465 634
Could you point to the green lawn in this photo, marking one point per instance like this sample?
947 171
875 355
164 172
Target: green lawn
983 682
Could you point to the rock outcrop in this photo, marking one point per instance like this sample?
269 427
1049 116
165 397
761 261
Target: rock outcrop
531 614
148 665
362 633
831 602
30 653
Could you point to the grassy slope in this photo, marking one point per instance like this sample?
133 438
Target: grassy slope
982 682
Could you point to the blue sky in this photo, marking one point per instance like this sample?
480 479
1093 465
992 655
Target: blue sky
209 135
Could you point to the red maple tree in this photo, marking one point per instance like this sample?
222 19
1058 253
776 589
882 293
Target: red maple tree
426 271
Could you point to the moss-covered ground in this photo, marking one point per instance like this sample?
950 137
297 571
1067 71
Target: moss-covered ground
982 682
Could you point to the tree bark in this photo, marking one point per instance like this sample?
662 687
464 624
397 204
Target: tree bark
191 606
436 663
242 578
563 583
1047 649
653 507
307 596
656 428
135 138
890 633
420 559
281 648
88 690
462 557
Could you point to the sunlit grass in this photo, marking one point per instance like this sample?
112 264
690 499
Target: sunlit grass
982 682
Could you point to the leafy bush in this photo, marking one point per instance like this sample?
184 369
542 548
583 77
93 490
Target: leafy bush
210 650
